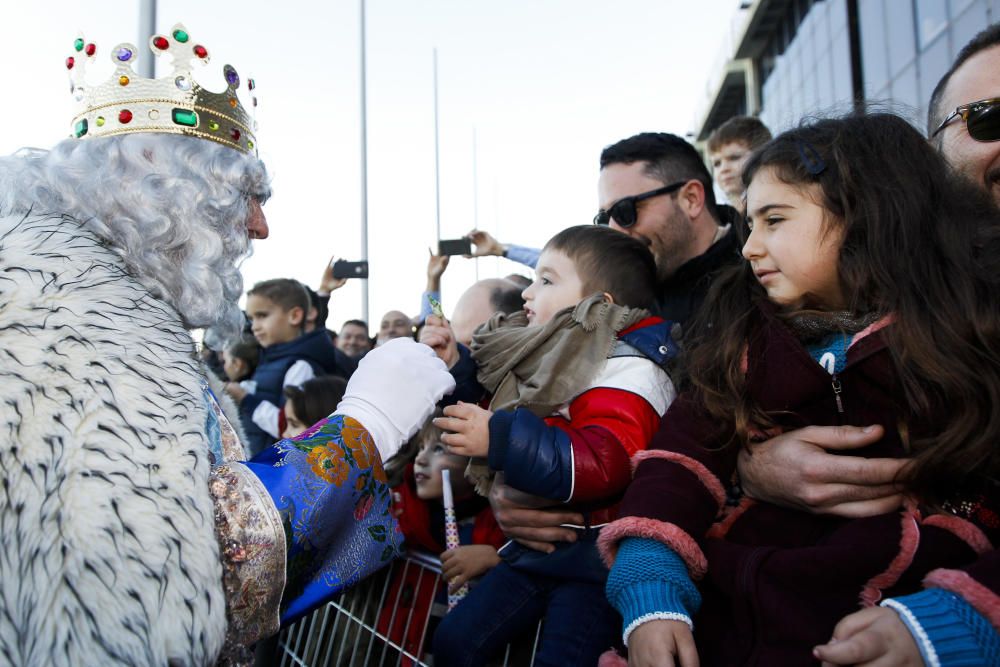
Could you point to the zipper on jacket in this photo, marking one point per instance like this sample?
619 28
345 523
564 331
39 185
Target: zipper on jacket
837 389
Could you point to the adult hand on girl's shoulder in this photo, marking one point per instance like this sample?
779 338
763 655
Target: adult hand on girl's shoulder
795 469
461 564
868 637
438 335
662 643
469 429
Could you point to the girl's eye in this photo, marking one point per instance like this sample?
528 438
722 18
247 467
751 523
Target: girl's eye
439 449
546 281
773 220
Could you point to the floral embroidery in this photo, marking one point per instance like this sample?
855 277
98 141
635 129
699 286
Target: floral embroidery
328 462
331 474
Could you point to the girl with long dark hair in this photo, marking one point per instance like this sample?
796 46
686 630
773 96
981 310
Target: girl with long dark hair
870 295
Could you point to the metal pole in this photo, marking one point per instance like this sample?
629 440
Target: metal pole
364 167
475 193
147 28
437 152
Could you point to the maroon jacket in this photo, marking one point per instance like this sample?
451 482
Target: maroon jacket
777 580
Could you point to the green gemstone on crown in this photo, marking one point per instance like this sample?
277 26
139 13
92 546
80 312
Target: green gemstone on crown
180 36
80 128
185 117
78 44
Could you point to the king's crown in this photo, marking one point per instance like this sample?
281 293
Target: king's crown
128 102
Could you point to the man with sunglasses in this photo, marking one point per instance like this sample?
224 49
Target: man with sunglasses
655 188
963 120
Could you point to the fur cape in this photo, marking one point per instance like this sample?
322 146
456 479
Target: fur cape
107 547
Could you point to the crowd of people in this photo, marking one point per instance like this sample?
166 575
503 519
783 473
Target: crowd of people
759 432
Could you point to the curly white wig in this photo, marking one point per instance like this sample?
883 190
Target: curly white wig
174 207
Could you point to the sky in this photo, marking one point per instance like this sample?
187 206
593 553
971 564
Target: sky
529 92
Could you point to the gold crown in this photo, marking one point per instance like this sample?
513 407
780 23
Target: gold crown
176 104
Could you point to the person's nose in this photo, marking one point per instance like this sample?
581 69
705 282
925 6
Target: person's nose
753 249
257 224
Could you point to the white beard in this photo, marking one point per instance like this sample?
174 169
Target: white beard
107 545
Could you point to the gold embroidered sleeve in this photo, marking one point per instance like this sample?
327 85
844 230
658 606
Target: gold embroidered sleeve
253 550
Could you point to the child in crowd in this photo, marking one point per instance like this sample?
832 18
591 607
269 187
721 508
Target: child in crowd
239 359
277 310
729 147
869 297
316 399
577 387
415 475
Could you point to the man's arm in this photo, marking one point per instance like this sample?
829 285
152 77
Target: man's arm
796 469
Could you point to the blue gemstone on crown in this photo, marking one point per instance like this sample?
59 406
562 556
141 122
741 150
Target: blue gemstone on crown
124 54
232 78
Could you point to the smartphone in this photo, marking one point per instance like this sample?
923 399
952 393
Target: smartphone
344 269
462 246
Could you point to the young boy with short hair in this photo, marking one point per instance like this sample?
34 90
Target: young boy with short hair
578 387
277 310
729 146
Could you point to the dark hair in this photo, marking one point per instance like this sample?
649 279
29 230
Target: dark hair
246 348
668 159
506 298
747 130
316 398
359 323
609 261
321 304
395 467
987 38
919 243
521 281
285 292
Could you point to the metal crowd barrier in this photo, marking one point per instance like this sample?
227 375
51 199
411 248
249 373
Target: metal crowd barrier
384 621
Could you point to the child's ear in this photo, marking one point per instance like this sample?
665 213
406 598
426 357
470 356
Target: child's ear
609 298
296 314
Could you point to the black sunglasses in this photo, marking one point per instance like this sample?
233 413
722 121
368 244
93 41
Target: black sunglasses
623 211
982 119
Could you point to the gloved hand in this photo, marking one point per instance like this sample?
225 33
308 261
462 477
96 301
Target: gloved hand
394 391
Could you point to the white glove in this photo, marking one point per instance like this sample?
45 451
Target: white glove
394 391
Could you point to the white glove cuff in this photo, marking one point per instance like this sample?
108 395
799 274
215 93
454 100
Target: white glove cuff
387 437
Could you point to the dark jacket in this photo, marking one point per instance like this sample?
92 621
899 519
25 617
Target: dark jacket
778 580
315 347
681 295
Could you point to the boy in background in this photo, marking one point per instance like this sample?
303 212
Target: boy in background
277 310
729 146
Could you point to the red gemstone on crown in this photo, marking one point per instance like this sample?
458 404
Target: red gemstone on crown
124 116
200 51
70 62
160 42
91 49
235 134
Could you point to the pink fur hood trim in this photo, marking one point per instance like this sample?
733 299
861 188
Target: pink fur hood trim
704 475
633 526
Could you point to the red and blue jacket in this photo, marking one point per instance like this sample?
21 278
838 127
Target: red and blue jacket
580 455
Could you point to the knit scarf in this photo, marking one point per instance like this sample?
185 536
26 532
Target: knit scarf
542 368
810 325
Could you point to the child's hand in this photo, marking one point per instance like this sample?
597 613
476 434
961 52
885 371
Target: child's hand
437 335
235 391
470 429
461 564
871 636
662 643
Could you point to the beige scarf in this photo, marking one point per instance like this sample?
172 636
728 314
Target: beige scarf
543 368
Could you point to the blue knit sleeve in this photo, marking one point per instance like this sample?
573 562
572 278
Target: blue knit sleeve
947 629
648 582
